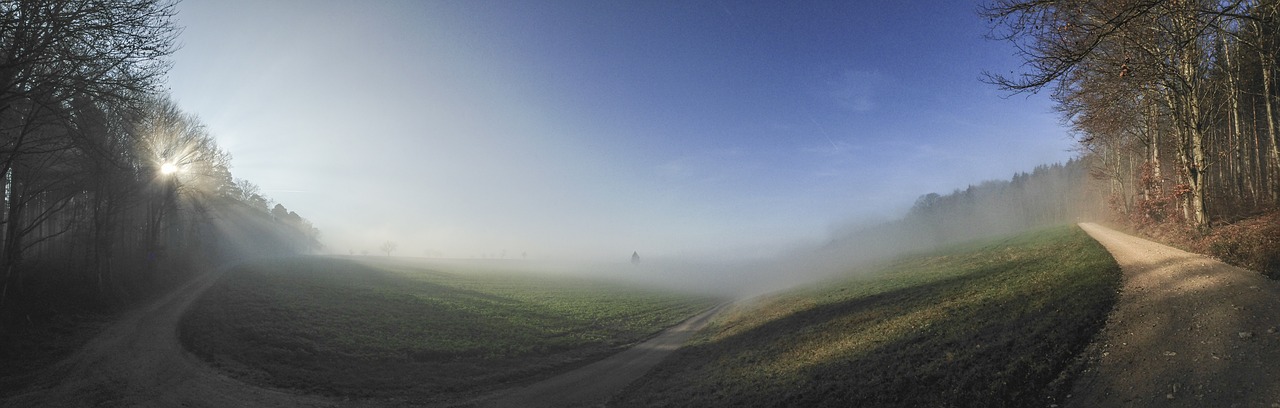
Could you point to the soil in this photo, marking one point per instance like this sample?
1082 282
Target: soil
1187 331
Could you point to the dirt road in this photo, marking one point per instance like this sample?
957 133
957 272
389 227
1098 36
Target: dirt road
1187 331
592 385
139 362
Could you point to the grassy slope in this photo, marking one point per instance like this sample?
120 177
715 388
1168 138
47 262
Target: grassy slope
25 349
391 328
988 324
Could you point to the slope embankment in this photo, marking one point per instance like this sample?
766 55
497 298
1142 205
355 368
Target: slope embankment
1187 330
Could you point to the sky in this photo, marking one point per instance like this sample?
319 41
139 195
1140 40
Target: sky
589 129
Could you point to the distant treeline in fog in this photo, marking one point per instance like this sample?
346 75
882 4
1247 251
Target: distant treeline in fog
110 190
1049 195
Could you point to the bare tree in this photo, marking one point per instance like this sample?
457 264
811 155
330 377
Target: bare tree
66 69
388 247
1153 83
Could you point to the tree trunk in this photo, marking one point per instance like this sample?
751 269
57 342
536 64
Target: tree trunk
1271 128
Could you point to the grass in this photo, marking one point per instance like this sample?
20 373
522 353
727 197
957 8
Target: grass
989 324
27 348
405 329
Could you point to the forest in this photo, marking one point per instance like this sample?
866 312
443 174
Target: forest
111 191
1173 103
1173 100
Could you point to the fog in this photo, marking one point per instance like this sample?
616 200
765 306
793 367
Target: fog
701 134
1049 195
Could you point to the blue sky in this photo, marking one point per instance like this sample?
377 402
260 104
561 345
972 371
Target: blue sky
589 129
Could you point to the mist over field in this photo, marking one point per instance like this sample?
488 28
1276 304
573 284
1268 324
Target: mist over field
1048 196
529 132
634 203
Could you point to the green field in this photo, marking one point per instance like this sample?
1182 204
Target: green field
987 324
371 327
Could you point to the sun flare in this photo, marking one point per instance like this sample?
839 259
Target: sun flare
168 168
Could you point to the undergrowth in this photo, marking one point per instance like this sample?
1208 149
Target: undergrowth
1252 243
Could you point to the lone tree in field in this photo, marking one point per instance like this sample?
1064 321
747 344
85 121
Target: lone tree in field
635 258
388 247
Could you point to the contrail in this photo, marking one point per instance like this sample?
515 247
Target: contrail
824 133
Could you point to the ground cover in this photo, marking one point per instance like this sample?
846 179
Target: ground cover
407 329
994 323
25 347
1252 242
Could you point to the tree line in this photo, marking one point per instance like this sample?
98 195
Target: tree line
1051 194
110 189
1174 100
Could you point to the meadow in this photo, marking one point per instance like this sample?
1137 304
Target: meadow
985 324
388 328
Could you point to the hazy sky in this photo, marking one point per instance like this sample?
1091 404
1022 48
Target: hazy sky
597 128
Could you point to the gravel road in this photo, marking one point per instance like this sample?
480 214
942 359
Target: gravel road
1187 331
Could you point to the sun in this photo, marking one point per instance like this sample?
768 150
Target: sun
168 168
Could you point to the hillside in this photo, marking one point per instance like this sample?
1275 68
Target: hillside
992 323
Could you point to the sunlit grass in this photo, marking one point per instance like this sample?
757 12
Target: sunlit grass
994 323
395 328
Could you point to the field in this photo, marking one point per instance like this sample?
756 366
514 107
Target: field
987 324
369 327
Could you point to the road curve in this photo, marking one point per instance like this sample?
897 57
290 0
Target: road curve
138 361
1186 331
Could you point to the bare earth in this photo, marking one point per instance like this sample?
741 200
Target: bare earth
139 362
1187 331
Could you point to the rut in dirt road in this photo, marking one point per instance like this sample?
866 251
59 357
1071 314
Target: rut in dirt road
1187 330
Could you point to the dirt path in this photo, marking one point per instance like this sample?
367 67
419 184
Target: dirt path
1187 331
139 362
594 384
